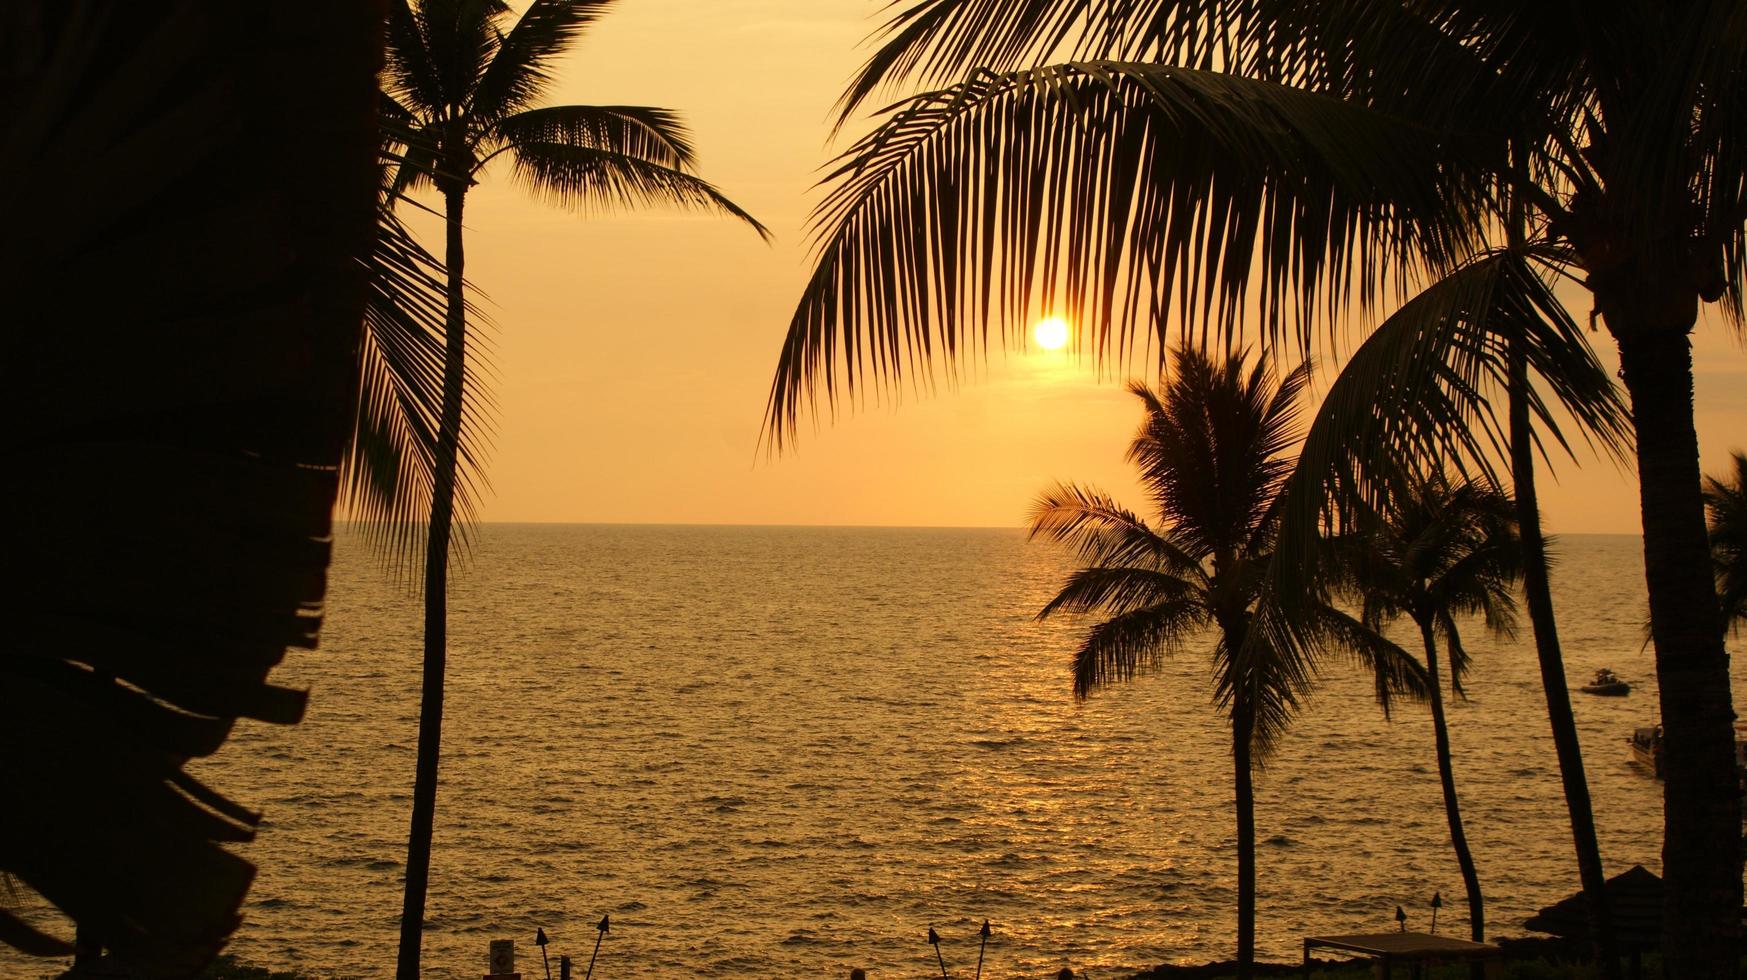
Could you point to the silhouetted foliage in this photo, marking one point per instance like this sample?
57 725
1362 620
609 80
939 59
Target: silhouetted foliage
1240 161
1213 453
179 381
1440 550
389 471
1726 502
465 90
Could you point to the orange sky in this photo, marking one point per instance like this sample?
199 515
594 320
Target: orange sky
633 351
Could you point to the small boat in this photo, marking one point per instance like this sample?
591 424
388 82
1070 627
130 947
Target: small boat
1608 684
1647 748
1647 751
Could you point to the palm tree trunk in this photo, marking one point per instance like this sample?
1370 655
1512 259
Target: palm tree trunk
1539 598
1701 842
1242 725
1447 776
424 794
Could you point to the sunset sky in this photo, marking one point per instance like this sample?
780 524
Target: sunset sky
633 352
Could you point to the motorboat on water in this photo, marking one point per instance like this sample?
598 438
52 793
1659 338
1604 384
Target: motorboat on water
1647 750
1607 684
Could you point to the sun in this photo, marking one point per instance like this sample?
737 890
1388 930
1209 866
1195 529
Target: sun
1051 333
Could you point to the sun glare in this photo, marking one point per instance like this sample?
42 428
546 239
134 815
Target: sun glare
1051 334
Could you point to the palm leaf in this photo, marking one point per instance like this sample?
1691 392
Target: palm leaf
1726 505
1414 60
460 38
412 151
1422 386
1118 591
1122 646
589 178
410 69
1458 656
1122 193
1719 69
1103 532
1271 682
517 76
1393 671
177 441
388 473
643 132
1213 449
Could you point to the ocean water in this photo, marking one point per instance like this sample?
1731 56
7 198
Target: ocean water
781 752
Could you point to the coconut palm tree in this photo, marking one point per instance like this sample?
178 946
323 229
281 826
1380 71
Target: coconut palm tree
173 437
1422 386
1440 550
468 86
1726 499
1213 454
1223 159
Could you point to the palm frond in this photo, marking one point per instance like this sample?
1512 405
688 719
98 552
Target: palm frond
1270 682
517 74
412 75
1118 591
938 41
1719 76
644 132
1438 549
1482 583
460 38
412 152
1676 137
1422 387
1455 652
1393 671
1103 532
1122 646
1123 194
1726 507
1213 448
388 473
588 179
1371 52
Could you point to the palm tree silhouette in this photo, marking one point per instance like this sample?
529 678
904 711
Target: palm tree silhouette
468 90
1212 453
1423 385
1440 550
1245 156
1726 500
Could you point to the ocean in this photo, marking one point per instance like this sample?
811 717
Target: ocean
778 752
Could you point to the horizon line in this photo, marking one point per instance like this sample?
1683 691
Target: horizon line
349 522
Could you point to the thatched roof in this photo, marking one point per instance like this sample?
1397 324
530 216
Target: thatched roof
1634 900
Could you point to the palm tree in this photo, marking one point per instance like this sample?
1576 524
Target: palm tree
1726 499
174 436
1215 159
1423 386
1440 550
467 89
1212 454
